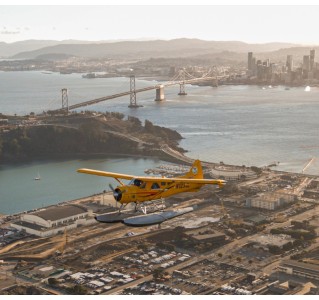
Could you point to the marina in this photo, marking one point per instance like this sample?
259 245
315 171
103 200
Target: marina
168 170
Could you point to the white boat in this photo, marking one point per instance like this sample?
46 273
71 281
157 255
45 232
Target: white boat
37 177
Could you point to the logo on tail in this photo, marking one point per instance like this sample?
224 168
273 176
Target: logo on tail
195 170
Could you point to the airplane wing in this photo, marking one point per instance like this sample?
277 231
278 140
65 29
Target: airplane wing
106 174
177 179
151 179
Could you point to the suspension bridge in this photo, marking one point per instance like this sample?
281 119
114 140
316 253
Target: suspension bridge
181 78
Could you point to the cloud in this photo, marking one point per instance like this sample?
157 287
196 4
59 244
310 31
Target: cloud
9 32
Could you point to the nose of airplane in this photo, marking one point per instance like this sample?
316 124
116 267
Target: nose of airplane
117 193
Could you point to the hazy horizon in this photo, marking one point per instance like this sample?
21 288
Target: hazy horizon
142 39
97 23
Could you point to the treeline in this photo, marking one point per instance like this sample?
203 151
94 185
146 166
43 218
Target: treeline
48 141
167 134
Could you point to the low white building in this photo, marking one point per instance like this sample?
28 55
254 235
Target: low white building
266 240
264 203
271 201
53 220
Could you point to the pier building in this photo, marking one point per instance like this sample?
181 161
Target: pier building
53 220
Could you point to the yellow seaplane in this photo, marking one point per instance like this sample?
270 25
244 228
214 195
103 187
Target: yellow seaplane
141 189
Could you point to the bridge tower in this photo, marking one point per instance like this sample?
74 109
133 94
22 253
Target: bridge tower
182 89
182 84
65 100
133 93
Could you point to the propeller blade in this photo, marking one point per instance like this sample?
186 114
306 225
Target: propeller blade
115 194
111 187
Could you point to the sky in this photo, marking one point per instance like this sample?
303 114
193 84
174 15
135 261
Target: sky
247 23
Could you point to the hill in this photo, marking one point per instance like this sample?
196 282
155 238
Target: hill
281 54
148 49
11 49
78 135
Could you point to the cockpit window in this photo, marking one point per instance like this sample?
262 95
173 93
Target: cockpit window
136 182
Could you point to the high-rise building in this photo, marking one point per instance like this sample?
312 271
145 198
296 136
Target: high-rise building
250 58
312 59
253 61
289 63
266 63
306 64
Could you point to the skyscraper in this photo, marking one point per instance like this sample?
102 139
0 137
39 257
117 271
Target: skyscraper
250 58
312 59
289 63
306 64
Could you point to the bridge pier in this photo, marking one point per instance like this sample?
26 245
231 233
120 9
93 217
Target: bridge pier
160 96
182 89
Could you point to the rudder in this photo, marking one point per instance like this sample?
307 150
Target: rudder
196 171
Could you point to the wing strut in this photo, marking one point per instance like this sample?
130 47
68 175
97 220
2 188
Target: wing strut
121 183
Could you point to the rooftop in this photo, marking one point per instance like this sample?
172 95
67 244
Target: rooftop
30 225
297 264
269 239
208 236
60 212
256 219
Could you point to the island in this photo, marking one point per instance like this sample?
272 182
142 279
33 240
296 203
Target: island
88 134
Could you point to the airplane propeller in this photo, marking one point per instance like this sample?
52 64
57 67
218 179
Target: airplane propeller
111 187
117 194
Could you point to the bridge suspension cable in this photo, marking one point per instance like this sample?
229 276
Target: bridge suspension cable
182 77
53 104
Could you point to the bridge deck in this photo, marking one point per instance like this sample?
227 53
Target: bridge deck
94 101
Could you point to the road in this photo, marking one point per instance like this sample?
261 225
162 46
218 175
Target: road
128 136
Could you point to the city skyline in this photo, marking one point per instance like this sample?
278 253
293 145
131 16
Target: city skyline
247 23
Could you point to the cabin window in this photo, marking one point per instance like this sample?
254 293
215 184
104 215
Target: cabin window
163 183
143 185
155 186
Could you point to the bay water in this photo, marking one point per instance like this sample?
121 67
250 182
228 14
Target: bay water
241 125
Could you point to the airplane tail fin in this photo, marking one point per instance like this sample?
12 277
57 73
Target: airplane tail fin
195 171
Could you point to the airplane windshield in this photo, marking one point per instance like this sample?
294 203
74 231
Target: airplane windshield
136 182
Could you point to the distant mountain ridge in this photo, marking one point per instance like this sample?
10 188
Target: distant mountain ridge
136 49
11 49
296 52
